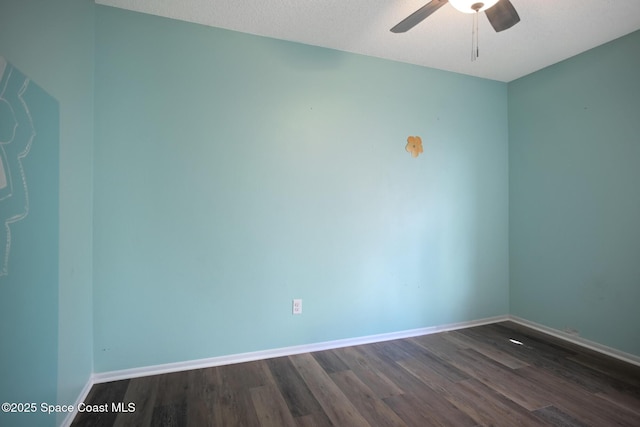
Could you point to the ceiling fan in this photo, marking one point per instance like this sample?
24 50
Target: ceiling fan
501 13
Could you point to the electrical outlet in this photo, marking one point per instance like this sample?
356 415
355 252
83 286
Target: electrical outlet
297 306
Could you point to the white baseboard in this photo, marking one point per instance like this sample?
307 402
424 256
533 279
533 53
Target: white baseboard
609 351
285 351
66 422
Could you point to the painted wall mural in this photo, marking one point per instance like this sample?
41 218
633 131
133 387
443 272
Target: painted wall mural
16 136
29 169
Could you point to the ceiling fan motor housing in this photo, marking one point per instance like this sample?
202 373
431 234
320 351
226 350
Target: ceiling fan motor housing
472 6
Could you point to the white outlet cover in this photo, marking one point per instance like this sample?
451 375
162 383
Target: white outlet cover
297 306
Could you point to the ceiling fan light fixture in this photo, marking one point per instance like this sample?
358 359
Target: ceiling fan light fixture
472 6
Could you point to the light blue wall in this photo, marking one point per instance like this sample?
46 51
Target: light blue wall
53 43
29 138
234 173
574 161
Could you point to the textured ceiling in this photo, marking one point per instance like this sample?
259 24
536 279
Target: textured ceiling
549 31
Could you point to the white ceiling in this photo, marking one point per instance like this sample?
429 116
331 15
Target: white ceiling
549 31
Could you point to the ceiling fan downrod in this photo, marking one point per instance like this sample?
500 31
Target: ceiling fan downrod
475 51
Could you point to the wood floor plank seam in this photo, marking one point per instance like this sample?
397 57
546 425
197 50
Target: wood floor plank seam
334 402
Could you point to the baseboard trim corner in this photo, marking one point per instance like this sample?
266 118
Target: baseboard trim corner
591 345
66 422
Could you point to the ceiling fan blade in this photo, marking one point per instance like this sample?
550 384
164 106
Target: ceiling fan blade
418 16
502 16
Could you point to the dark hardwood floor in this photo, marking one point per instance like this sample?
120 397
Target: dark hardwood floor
469 377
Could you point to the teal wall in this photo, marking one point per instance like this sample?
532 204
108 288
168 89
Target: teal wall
234 173
29 243
53 43
574 156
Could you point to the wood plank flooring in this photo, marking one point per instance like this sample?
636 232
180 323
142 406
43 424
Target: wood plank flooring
470 377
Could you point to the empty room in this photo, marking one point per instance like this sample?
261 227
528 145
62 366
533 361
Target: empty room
319 213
